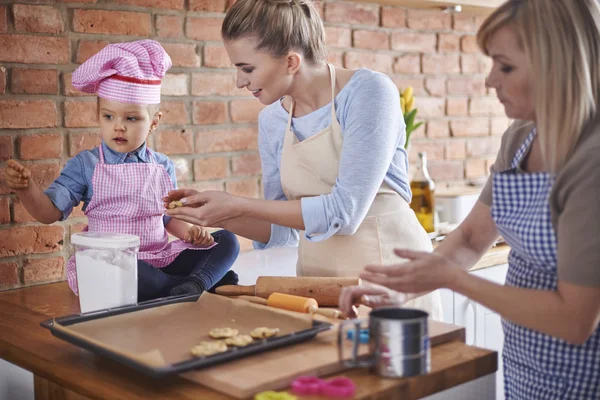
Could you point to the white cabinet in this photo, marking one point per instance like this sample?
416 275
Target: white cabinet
483 326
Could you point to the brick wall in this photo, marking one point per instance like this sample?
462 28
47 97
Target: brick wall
209 127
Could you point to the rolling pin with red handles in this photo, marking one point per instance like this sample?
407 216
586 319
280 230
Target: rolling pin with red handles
326 291
294 303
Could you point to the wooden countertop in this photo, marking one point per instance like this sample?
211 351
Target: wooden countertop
64 371
495 256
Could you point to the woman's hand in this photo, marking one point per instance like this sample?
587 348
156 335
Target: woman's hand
199 236
370 295
204 208
423 272
17 176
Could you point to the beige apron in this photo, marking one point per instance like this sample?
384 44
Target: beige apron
310 168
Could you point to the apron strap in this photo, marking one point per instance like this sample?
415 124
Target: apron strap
101 154
150 155
523 149
289 122
334 120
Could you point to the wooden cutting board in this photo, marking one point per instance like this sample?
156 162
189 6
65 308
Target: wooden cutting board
276 369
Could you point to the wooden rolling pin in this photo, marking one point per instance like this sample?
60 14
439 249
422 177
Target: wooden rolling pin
326 291
294 303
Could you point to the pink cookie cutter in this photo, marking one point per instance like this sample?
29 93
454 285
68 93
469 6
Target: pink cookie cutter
337 388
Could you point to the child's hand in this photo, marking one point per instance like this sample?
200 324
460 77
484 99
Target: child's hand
199 236
17 176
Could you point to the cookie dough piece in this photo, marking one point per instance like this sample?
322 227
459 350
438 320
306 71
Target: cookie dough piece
239 340
175 204
221 333
264 332
209 348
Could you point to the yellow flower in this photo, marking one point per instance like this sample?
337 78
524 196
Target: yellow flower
409 104
407 94
403 105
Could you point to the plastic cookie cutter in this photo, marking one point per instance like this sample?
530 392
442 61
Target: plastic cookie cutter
337 388
272 395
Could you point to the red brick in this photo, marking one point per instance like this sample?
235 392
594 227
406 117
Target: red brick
20 214
209 112
6 148
483 106
393 17
166 4
183 171
177 141
499 125
4 211
76 228
182 54
466 86
87 48
372 40
203 28
414 42
470 64
246 164
30 49
448 42
41 19
77 211
408 64
215 56
468 44
478 147
352 13
169 26
9 275
470 127
434 150
112 22
245 188
175 85
34 81
438 129
83 141
220 141
417 84
43 270
216 84
439 64
40 146
207 5
381 62
428 20
245 111
455 149
436 86
31 240
201 186
16 114
485 65
43 175
174 113
429 107
68 88
211 168
475 168
464 23
2 80
337 36
3 19
446 171
457 106
81 114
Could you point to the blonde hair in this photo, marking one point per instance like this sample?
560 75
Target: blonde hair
560 39
279 25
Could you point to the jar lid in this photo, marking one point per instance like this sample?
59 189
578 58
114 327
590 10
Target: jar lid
105 240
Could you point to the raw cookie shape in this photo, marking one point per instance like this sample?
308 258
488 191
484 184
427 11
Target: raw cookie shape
239 340
175 204
264 332
221 333
209 348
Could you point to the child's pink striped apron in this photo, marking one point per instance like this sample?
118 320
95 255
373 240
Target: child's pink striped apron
127 198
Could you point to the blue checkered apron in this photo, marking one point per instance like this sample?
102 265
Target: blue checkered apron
536 365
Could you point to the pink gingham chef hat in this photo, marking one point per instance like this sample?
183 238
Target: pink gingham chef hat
128 72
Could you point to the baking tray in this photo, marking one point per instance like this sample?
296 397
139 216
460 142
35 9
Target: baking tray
258 346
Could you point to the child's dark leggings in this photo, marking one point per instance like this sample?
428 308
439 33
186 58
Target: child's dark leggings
204 267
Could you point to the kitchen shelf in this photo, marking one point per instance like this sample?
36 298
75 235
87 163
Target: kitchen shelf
468 6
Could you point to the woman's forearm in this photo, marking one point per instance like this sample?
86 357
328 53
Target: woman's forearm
549 312
250 228
285 213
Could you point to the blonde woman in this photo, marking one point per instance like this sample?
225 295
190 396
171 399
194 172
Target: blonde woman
543 198
331 146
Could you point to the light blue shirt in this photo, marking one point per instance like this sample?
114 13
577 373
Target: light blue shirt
74 184
373 131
